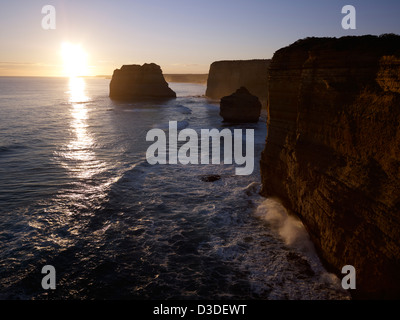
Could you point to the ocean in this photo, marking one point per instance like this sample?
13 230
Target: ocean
77 193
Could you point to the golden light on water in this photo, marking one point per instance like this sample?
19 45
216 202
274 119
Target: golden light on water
80 155
77 91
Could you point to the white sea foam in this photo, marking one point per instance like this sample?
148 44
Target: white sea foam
289 227
294 234
165 126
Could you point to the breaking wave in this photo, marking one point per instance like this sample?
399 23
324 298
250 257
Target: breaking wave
289 227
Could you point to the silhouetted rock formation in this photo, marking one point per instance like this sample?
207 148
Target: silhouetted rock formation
240 107
332 153
225 77
137 82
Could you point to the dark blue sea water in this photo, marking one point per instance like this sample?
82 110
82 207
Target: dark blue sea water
76 192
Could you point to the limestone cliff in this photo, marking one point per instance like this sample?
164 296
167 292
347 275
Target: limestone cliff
136 82
225 77
332 153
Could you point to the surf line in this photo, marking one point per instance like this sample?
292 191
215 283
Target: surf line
196 147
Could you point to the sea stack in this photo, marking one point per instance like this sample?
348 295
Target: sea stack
225 77
139 82
240 107
332 153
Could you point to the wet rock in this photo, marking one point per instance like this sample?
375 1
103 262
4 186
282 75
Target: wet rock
301 264
210 178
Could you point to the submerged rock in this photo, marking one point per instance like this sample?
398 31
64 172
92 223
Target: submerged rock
210 178
332 153
136 82
240 107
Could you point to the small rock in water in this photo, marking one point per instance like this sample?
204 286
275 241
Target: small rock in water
240 107
210 178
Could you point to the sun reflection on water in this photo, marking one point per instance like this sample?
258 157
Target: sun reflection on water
77 90
81 159
85 187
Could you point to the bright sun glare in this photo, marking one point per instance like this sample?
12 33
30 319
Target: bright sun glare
75 62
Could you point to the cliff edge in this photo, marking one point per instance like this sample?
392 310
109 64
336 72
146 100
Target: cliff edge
332 153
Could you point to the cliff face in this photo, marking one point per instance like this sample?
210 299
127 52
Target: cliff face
332 153
225 77
135 81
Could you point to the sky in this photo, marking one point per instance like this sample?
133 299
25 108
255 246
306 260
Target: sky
182 36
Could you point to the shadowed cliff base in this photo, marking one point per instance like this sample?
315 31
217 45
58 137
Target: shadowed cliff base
135 82
332 153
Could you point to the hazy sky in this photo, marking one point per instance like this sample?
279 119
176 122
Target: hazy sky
182 36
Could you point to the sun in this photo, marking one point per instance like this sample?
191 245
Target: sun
75 60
